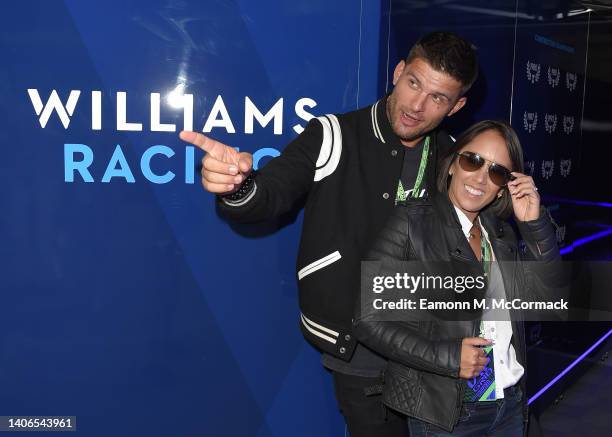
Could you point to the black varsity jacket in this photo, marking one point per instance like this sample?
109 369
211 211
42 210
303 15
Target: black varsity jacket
348 166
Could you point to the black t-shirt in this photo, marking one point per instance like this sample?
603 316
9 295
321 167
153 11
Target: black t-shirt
410 170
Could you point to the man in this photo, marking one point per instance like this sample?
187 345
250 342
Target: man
353 168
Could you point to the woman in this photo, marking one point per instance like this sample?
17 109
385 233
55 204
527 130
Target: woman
465 378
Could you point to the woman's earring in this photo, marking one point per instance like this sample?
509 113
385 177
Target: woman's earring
499 194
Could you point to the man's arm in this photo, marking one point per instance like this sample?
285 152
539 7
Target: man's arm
247 196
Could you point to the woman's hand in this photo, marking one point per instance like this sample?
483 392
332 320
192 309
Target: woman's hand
525 197
473 358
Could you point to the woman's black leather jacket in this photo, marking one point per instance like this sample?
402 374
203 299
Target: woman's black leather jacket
422 376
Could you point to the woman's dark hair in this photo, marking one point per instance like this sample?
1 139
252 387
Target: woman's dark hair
502 206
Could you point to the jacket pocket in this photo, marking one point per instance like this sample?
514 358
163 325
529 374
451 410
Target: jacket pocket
318 264
402 389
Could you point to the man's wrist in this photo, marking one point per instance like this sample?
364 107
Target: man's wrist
243 194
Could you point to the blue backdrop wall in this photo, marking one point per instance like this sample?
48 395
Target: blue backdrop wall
125 300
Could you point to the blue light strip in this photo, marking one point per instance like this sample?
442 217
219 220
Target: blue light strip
570 367
585 240
577 202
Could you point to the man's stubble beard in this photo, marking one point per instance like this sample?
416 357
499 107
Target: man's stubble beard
413 137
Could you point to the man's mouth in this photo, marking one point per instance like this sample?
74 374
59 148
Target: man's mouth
473 191
409 120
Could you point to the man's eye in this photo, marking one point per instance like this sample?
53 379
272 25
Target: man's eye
413 84
436 99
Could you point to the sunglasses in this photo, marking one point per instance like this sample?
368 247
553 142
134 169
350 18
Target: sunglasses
470 161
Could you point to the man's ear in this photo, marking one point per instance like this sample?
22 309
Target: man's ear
460 104
399 69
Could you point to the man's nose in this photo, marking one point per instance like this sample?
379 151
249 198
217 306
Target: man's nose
418 103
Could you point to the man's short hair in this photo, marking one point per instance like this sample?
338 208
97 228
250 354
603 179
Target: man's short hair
449 53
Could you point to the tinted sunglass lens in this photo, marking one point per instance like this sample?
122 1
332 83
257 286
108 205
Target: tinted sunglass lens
499 175
470 161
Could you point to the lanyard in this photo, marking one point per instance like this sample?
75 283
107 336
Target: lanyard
485 248
422 165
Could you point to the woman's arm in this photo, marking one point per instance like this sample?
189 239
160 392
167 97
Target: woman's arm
545 277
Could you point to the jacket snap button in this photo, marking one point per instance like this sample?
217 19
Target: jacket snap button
385 196
347 337
393 152
342 350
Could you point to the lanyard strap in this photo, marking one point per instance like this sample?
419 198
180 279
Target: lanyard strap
485 248
422 165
